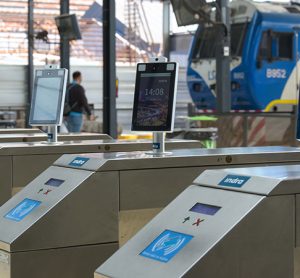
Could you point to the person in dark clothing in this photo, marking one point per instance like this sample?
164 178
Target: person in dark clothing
78 102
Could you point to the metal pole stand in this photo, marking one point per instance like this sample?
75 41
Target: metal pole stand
52 134
159 145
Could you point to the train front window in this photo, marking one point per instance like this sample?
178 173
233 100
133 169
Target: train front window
276 46
206 44
205 47
238 34
285 46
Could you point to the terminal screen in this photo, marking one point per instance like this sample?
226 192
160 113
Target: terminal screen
154 95
153 99
55 182
47 99
205 209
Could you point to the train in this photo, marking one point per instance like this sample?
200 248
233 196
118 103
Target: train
264 54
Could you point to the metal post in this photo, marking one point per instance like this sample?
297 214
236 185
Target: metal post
158 145
295 121
159 142
296 32
52 134
64 43
166 29
30 35
109 69
223 79
245 130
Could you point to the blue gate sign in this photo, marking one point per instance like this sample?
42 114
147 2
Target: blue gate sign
22 209
79 161
166 246
234 181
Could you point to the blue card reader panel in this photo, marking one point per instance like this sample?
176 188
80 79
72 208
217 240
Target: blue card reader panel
166 246
24 208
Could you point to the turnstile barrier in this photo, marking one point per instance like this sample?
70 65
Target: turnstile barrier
55 227
75 225
20 163
231 223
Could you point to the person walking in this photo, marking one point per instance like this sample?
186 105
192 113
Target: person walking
78 103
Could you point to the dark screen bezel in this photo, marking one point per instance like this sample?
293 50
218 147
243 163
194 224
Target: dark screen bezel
154 68
47 74
54 182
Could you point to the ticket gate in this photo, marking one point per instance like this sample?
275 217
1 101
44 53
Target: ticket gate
229 224
55 227
20 163
40 136
65 222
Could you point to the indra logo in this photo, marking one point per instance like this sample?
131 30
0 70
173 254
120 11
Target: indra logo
79 161
234 181
166 246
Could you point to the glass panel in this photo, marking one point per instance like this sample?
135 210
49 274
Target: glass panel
206 42
276 46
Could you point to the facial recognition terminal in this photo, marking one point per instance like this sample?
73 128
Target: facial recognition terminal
155 97
155 100
48 97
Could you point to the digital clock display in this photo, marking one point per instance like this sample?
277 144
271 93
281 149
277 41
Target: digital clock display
153 99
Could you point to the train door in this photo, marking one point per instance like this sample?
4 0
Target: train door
274 77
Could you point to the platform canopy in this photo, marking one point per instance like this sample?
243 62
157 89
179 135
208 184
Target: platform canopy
189 12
